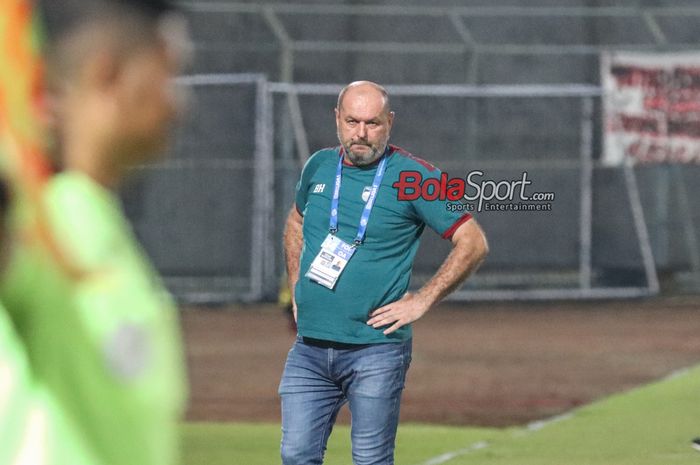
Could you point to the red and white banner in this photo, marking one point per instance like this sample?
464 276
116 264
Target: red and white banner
651 107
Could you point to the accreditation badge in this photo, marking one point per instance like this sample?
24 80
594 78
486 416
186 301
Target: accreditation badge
330 261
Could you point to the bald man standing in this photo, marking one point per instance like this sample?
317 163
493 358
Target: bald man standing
349 245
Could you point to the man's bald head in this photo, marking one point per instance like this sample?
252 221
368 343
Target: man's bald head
369 89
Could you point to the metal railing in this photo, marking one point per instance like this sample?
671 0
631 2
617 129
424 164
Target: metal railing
652 33
265 254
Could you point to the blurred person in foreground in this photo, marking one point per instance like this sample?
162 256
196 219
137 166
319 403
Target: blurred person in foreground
350 244
101 333
34 428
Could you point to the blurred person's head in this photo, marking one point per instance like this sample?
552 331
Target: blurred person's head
110 65
363 119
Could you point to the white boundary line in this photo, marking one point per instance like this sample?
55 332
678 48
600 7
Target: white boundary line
528 429
537 425
446 457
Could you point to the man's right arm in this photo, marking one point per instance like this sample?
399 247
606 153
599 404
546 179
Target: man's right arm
293 243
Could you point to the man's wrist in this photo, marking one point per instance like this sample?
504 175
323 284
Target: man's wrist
426 298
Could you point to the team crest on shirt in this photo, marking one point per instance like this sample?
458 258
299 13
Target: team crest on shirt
365 193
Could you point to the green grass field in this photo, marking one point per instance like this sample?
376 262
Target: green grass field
650 425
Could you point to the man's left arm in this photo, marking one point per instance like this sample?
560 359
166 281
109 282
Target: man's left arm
468 251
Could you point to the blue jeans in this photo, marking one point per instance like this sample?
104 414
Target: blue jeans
318 381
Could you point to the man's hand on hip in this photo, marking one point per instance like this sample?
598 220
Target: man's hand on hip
400 313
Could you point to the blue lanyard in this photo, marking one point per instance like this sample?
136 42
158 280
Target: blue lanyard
364 219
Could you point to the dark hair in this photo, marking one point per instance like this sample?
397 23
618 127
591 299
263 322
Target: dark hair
62 17
151 8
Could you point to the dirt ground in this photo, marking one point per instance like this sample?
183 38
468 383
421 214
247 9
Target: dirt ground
488 364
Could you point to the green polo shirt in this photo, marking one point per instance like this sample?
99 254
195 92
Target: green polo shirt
379 272
105 343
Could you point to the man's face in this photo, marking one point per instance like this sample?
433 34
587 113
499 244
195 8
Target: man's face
363 124
148 103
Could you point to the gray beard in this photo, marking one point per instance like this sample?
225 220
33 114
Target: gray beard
359 160
363 159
